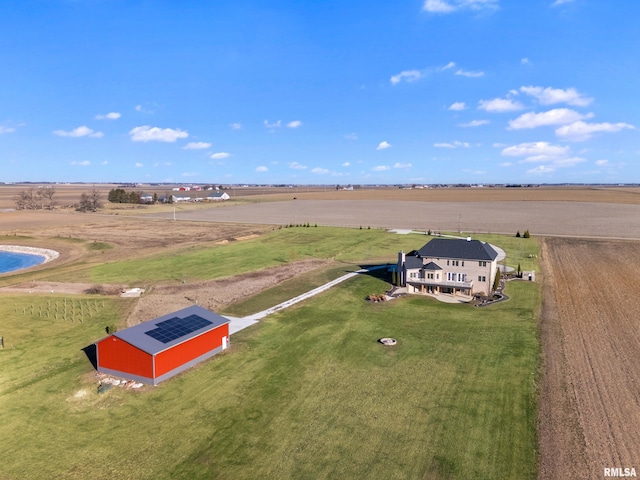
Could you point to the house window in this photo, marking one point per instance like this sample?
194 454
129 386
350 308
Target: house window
482 278
483 264
463 263
447 262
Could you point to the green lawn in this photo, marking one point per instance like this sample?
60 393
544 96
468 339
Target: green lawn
307 393
280 247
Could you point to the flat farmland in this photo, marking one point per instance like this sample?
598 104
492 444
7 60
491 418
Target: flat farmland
590 390
589 219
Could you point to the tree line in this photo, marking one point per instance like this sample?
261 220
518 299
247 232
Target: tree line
45 199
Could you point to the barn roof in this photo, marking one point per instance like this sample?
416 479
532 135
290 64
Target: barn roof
458 249
172 329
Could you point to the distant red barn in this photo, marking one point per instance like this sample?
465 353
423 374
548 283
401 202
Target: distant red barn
159 349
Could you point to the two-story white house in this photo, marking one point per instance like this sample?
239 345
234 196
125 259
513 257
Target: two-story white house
454 266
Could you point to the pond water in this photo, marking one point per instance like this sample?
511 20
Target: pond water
10 261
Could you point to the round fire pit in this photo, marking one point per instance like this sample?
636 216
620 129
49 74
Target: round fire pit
387 341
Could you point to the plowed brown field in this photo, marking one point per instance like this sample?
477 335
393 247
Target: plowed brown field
590 329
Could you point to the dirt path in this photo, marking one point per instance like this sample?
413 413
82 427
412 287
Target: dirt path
214 294
590 390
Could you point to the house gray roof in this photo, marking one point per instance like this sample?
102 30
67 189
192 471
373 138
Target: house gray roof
151 336
411 262
432 266
217 195
459 249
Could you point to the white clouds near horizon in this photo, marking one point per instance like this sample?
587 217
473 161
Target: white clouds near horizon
108 116
220 155
383 145
146 133
557 116
551 96
499 105
381 168
294 124
457 106
455 144
581 131
262 168
407 76
196 146
465 73
474 123
82 131
451 6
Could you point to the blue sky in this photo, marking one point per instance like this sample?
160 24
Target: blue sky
247 91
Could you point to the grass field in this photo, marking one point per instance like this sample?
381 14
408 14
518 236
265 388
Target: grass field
279 247
308 393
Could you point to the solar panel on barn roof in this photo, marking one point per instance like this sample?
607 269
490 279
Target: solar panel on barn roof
175 327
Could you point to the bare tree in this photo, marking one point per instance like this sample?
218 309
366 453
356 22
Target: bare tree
27 200
90 202
49 194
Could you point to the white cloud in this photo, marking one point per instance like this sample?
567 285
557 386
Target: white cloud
146 133
505 164
448 66
109 116
236 126
277 124
82 131
381 168
297 166
351 136
383 145
190 174
450 6
294 124
465 73
560 2
262 168
498 105
524 61
220 155
407 76
346 164
84 163
458 106
319 171
581 131
139 165
557 116
6 129
196 146
602 163
551 96
541 169
535 150
402 165
455 144
474 123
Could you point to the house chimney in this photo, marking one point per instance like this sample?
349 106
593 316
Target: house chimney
468 239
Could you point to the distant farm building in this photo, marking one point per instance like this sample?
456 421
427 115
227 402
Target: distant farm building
218 196
159 349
